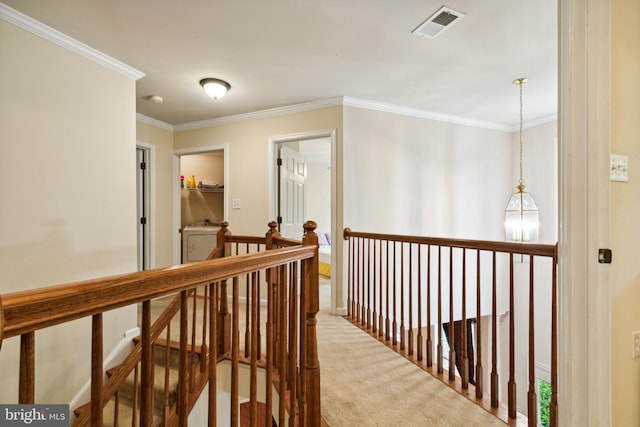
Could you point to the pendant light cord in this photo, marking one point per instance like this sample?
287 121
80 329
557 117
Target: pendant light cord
521 137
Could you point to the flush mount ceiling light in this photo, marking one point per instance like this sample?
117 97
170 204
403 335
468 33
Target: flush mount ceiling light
521 215
215 88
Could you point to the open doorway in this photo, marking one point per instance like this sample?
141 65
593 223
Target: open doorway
200 202
304 183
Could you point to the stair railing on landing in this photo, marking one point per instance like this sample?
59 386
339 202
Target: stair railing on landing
287 274
416 293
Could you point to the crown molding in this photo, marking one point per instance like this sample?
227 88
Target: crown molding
422 114
262 114
54 36
154 122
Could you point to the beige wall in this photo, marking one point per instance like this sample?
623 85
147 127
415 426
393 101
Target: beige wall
67 144
625 211
250 158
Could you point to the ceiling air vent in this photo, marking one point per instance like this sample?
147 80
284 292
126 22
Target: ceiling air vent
438 22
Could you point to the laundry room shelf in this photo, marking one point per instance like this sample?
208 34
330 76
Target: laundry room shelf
205 190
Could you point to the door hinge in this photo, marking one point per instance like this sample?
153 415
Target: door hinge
143 166
279 162
143 220
279 220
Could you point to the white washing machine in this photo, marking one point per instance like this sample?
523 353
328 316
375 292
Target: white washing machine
198 241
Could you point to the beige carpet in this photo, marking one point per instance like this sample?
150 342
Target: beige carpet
364 383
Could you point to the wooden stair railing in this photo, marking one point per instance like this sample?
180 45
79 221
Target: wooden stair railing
396 282
267 267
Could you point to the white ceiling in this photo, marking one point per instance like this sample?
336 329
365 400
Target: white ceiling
282 52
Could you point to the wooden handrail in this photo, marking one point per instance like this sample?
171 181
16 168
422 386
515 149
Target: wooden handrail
28 311
534 249
23 313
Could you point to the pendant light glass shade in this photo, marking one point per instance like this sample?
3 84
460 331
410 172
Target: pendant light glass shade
521 221
521 217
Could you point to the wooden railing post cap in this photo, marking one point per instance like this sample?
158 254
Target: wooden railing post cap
310 226
224 225
272 226
346 234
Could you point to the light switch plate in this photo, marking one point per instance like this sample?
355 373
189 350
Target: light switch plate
235 204
619 168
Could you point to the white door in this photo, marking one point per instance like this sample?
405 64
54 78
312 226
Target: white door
292 174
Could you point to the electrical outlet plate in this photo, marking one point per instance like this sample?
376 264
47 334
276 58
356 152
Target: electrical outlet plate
619 168
635 342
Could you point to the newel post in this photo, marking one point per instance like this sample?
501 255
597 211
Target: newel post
312 305
224 317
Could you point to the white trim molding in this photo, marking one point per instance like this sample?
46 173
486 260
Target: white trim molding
54 36
584 310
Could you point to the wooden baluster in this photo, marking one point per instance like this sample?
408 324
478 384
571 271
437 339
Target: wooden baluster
247 312
26 387
302 377
134 409
213 354
380 315
368 288
464 360
358 281
271 289
532 412
192 353
478 380
182 405
452 329
146 391
235 352
410 332
494 336
96 370
293 343
374 319
116 409
311 416
362 288
553 405
429 339
282 323
512 356
439 346
419 337
402 315
394 325
253 386
224 321
387 315
349 274
258 330
167 370
224 317
203 340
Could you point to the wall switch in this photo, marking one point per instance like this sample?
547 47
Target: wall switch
636 344
235 204
619 168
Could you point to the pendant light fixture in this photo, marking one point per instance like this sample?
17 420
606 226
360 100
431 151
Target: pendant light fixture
521 214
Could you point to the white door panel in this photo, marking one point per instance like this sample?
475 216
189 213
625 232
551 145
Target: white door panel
293 173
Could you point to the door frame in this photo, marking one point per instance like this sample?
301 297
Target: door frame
584 300
272 170
177 237
150 149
